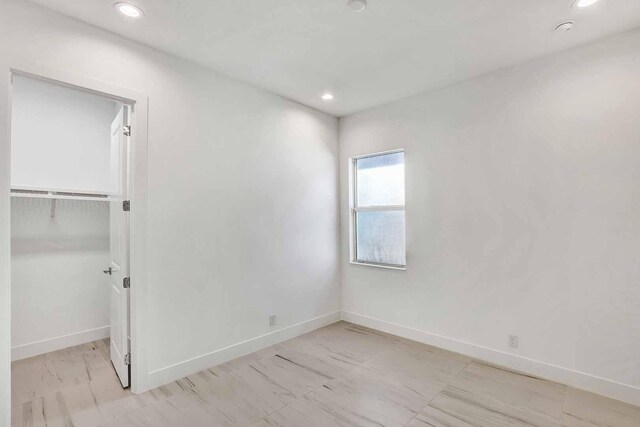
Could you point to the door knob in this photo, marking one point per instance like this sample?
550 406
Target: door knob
109 271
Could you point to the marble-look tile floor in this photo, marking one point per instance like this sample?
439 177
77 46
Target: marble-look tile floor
340 375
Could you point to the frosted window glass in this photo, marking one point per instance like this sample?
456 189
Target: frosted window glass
380 180
380 237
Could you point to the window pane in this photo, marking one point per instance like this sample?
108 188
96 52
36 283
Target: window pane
380 237
380 180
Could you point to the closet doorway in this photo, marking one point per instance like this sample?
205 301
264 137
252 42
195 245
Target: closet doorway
70 231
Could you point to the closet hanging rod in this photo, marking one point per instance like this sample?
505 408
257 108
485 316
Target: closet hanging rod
59 195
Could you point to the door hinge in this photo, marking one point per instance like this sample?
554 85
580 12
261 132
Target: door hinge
126 282
126 130
126 205
127 359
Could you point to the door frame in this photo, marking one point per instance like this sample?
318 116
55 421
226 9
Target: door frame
138 103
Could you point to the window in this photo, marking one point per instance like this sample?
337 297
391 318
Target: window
378 210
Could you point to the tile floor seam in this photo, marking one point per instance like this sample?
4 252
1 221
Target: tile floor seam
55 374
416 416
564 402
338 376
66 406
293 401
312 390
439 392
280 409
564 396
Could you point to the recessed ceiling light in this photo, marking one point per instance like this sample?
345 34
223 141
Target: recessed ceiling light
565 26
357 5
584 3
327 96
129 10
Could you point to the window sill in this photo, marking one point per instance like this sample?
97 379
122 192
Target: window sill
388 267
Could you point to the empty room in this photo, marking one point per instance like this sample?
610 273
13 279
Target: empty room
304 213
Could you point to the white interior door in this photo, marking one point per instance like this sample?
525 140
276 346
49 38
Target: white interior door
119 237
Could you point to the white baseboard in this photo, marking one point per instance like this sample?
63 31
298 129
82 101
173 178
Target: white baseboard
52 344
171 373
582 380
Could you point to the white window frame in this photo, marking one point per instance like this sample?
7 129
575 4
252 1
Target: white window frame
354 209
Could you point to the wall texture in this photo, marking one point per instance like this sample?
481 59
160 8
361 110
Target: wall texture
522 210
60 297
242 192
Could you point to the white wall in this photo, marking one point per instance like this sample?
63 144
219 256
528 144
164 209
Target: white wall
60 297
60 137
242 192
522 210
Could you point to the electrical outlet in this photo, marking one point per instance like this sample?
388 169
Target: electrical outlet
272 319
513 341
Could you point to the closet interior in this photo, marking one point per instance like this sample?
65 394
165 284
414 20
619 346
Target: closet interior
62 164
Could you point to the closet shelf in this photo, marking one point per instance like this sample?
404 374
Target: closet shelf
59 195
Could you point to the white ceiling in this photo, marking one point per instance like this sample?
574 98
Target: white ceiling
393 49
